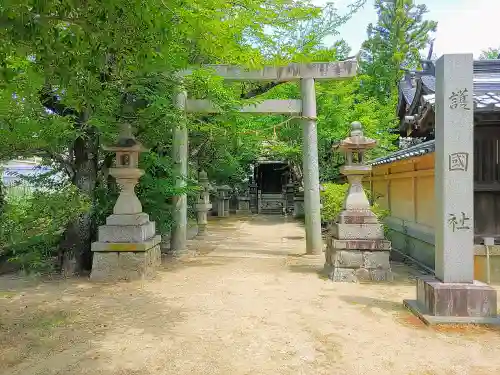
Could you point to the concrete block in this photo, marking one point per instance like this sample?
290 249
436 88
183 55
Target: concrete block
381 275
127 233
360 244
357 231
131 219
357 217
347 275
126 266
376 260
475 299
347 259
126 246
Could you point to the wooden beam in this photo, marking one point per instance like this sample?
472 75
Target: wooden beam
292 72
271 106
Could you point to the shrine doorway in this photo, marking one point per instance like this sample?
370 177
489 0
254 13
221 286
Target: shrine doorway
271 178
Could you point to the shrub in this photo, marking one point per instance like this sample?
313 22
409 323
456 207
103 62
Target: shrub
333 199
32 225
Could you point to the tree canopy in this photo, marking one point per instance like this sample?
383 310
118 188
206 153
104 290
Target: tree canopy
71 73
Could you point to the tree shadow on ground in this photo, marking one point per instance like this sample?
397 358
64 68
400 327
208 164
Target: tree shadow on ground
386 305
313 269
74 326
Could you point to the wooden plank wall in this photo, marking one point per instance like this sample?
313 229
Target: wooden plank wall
487 182
406 189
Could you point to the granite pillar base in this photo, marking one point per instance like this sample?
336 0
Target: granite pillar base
454 303
126 265
358 260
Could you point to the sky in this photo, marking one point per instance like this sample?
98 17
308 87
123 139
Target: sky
464 26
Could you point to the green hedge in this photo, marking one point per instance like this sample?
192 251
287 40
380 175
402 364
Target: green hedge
32 225
333 199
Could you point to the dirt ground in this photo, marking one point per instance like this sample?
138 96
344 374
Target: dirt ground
247 304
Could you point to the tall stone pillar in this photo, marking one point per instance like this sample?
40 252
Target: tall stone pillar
356 249
226 189
127 247
314 242
222 201
290 193
178 239
203 205
253 197
453 296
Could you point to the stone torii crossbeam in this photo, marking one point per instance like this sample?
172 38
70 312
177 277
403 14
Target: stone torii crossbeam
305 108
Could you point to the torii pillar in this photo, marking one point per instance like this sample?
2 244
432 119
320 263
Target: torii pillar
312 204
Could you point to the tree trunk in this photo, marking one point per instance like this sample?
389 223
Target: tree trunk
79 235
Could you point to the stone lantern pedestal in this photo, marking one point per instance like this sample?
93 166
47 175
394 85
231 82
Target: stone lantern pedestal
223 200
243 205
127 247
356 249
203 205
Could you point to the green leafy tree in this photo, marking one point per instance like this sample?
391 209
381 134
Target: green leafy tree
395 41
70 74
490 54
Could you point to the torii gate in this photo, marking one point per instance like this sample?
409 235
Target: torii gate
304 108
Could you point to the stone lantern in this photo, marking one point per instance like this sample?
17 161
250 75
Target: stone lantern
127 246
203 205
223 200
356 248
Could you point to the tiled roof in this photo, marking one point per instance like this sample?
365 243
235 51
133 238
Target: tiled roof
486 85
408 93
429 82
418 150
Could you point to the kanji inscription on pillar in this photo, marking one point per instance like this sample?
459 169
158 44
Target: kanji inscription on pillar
458 222
459 99
458 161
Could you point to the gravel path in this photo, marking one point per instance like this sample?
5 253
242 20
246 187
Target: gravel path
247 304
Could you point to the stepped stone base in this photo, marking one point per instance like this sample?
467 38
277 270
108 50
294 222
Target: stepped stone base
126 265
454 303
357 231
127 249
357 252
358 265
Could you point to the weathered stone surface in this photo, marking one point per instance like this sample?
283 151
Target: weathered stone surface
357 231
376 259
339 274
356 241
454 172
126 233
131 219
126 246
475 299
343 275
361 244
126 266
362 274
347 259
381 275
298 207
357 217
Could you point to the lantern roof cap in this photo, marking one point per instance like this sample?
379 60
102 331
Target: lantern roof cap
357 141
126 141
